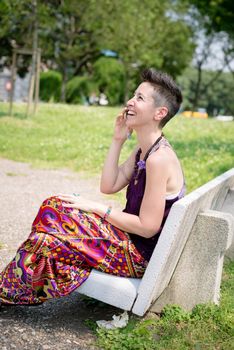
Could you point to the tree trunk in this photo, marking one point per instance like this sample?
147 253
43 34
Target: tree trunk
13 77
197 89
37 84
64 81
34 58
127 82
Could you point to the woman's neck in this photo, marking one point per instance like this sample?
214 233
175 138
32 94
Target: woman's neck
147 140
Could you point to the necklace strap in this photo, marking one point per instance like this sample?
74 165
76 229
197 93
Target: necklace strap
150 149
140 164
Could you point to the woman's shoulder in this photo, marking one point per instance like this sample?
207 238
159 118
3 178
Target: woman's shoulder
161 155
164 158
158 160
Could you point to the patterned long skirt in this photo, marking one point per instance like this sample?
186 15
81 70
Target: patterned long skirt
59 254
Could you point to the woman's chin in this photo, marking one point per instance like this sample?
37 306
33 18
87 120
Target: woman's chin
130 123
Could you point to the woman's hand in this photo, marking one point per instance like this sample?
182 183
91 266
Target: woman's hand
78 202
121 131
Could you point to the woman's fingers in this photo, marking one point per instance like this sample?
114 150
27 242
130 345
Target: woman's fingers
64 198
70 205
122 113
64 195
68 198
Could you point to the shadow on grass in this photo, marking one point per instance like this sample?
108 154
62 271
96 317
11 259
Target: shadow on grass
16 115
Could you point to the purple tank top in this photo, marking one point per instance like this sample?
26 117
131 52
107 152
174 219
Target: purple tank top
134 196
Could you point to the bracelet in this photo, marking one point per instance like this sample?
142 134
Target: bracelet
107 213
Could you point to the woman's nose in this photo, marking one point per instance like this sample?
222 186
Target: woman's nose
130 102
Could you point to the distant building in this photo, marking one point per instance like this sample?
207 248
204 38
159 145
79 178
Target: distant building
20 90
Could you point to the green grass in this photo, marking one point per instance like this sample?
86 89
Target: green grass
206 327
78 137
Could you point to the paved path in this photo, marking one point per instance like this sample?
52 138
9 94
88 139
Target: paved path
57 324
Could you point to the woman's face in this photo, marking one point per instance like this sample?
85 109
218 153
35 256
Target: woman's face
141 107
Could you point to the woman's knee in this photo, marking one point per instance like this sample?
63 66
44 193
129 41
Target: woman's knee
52 201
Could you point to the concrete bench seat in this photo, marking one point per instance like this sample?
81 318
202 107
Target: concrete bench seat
117 291
186 265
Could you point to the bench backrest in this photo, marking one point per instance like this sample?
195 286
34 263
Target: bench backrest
176 231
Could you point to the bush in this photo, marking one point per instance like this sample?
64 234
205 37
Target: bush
78 89
110 78
50 86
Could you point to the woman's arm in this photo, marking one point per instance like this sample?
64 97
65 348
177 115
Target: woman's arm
152 208
153 204
115 177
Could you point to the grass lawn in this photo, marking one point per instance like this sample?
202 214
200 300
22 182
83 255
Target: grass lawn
78 137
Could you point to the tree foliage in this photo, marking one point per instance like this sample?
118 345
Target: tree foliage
108 74
147 34
214 47
50 86
215 97
78 89
74 34
219 14
17 20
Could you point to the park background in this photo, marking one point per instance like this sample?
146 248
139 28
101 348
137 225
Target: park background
89 47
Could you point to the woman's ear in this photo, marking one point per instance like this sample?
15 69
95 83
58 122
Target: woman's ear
160 113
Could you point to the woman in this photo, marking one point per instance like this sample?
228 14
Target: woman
71 235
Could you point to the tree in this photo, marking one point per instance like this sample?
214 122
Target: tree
213 49
109 77
66 43
146 34
18 20
73 41
218 13
218 16
215 98
204 53
73 34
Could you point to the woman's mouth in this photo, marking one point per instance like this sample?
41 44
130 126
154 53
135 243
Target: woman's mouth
130 114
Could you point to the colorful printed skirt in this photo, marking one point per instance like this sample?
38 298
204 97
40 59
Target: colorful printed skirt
59 254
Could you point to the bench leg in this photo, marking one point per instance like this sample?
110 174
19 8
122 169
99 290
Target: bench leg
228 207
197 276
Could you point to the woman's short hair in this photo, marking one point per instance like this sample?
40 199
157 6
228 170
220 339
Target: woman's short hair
167 93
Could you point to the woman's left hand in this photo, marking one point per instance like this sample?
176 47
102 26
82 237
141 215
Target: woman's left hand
78 202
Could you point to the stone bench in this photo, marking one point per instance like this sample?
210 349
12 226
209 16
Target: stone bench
186 265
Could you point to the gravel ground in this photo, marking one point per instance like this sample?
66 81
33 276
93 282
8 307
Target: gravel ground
57 324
